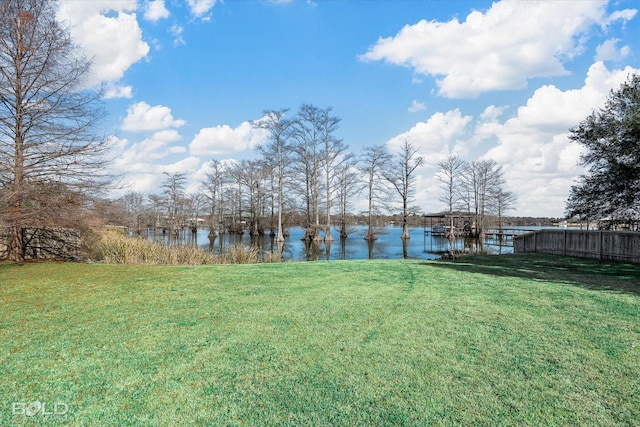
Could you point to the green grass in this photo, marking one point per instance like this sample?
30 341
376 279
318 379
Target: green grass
510 340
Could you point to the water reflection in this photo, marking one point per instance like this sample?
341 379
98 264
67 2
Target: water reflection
389 245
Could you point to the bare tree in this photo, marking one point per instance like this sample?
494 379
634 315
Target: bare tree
503 201
450 175
271 192
133 202
307 133
276 153
251 177
333 153
211 187
348 184
175 199
373 162
401 176
47 122
195 203
157 205
481 180
236 195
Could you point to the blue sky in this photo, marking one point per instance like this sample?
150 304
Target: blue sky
503 80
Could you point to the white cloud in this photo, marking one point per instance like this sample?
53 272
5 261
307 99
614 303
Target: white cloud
531 143
176 31
108 32
491 113
224 139
177 149
140 161
496 50
188 165
113 91
609 51
138 155
143 117
154 10
199 8
442 134
624 15
416 106
437 137
539 161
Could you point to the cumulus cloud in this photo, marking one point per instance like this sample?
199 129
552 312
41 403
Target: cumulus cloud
498 49
143 117
200 8
224 139
623 15
440 135
437 137
108 32
609 51
154 10
113 91
188 165
134 156
539 161
531 142
143 163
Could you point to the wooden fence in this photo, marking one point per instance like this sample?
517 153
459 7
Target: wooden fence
609 245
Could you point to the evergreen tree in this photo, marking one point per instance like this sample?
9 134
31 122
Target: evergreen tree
611 188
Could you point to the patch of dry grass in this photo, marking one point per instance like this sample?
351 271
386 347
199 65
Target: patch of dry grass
116 248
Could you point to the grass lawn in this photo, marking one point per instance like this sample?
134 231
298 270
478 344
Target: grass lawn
509 340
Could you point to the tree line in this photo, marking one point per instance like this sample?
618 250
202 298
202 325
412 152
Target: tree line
305 170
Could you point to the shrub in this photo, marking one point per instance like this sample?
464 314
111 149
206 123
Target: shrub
239 254
117 248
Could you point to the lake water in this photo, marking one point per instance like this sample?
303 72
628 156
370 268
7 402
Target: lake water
389 245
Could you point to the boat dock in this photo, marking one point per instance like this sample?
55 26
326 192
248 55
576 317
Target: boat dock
505 233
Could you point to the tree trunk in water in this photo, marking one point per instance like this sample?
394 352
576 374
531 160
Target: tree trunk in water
327 235
370 236
316 234
343 230
280 236
405 231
